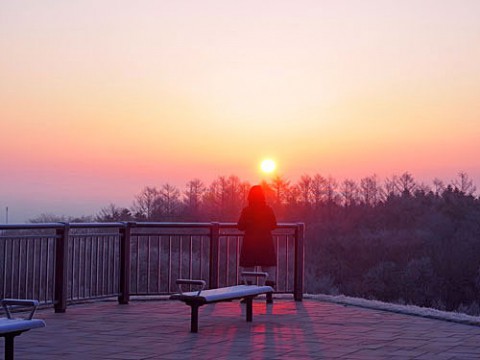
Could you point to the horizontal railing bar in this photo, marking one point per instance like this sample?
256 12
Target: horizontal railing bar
97 225
171 225
100 297
36 237
169 234
231 225
93 234
32 226
224 225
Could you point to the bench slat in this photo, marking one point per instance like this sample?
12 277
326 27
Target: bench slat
12 325
226 293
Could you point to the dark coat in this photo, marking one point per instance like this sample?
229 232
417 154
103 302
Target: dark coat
257 220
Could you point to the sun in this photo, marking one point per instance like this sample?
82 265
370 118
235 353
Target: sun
268 166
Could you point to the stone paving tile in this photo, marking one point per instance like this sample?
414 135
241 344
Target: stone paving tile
285 330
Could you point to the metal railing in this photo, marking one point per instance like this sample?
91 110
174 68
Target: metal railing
60 263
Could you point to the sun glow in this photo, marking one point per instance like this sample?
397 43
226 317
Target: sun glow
268 166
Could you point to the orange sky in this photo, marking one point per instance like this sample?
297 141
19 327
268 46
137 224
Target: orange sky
99 100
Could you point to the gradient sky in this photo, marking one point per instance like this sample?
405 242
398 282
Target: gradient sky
101 98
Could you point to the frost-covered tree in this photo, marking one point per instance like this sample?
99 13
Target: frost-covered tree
167 203
318 189
52 218
350 192
419 282
224 198
406 184
438 186
192 199
464 184
280 188
370 190
392 187
112 213
145 203
382 281
304 186
331 191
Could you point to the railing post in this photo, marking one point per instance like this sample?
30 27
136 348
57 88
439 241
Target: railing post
299 262
61 261
214 255
125 235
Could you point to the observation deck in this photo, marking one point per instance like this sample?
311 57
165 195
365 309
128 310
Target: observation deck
288 329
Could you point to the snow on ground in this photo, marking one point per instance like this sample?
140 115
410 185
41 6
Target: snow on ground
370 304
397 308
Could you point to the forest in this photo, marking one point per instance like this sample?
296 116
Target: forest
394 240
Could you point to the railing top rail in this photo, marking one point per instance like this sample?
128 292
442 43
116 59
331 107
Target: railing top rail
32 226
283 225
173 224
59 225
201 224
97 225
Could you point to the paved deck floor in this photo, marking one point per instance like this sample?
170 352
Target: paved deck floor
285 330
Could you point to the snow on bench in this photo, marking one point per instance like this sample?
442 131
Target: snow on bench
195 299
11 327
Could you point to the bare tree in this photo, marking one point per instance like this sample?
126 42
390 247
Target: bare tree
236 192
318 188
243 192
406 183
211 200
304 187
168 202
331 194
422 188
349 191
225 197
369 190
145 203
113 212
392 186
193 194
280 189
464 184
438 186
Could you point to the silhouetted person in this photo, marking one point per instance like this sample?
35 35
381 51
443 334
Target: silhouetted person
258 221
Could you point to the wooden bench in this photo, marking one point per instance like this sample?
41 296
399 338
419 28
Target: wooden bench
11 327
195 299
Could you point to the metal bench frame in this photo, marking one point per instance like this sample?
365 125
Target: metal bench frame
11 327
196 299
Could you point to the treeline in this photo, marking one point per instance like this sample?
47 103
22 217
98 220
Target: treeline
394 240
414 248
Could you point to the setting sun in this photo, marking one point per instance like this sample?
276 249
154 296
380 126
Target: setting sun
268 166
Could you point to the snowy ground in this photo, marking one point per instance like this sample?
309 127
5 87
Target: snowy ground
371 304
401 309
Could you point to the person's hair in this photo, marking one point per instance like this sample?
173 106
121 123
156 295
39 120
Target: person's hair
256 194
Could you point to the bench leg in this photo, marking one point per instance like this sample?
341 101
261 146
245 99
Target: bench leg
9 347
249 303
194 318
270 295
269 298
9 344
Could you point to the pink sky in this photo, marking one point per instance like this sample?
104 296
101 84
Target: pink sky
99 99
